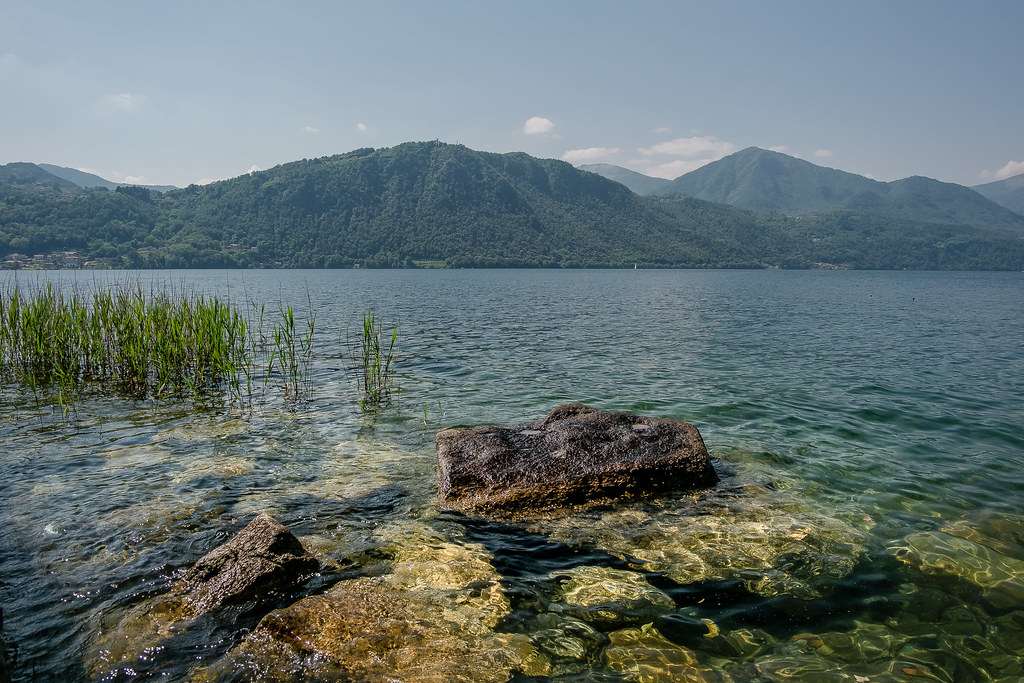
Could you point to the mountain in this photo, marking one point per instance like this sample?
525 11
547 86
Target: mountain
637 182
1008 193
31 176
83 179
429 204
765 181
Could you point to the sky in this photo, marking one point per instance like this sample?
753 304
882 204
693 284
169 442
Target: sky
188 91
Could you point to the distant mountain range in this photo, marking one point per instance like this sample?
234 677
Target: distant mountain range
430 204
764 181
1008 193
83 179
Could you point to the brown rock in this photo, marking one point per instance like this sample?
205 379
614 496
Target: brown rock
577 455
261 558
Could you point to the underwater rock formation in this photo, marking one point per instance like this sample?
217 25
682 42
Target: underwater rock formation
610 598
577 455
431 619
262 557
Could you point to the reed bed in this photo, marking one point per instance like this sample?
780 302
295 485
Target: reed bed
146 343
376 360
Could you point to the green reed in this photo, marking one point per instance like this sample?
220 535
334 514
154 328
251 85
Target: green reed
376 358
143 344
293 353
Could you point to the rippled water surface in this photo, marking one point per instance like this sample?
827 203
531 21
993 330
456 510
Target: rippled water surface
868 527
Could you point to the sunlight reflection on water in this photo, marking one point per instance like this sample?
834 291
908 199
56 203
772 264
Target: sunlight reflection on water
870 422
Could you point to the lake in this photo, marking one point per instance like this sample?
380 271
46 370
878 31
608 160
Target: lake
868 527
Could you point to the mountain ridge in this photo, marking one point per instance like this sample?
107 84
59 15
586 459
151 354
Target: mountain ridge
443 205
85 179
765 181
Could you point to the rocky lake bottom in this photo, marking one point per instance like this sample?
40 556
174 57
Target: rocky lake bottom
867 524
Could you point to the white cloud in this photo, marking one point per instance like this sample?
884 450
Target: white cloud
823 153
253 169
119 177
782 149
361 128
537 125
662 129
125 101
312 130
1011 169
694 147
574 156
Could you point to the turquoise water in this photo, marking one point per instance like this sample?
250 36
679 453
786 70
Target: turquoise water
867 425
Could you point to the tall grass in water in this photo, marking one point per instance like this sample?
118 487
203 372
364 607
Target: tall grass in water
142 344
292 353
376 357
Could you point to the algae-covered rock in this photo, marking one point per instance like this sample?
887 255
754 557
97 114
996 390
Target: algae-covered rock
644 655
568 643
430 619
577 455
937 552
610 597
369 630
773 549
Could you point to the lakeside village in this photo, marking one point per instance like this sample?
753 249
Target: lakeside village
58 260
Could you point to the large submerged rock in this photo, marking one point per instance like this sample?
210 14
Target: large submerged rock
433 618
577 455
263 557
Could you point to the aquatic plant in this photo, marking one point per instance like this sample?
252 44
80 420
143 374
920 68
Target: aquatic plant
376 360
142 343
293 353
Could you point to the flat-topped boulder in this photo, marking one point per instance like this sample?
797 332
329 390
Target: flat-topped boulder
577 455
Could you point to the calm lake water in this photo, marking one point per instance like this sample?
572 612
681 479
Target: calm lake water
867 426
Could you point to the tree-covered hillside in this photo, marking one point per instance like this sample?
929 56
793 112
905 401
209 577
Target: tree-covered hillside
434 204
765 181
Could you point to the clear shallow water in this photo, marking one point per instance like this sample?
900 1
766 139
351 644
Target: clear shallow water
868 426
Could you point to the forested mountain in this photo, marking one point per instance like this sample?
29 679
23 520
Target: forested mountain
765 182
1008 193
434 204
30 176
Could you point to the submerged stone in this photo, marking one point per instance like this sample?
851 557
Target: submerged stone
262 558
695 538
646 656
610 597
577 455
936 552
368 629
568 643
430 619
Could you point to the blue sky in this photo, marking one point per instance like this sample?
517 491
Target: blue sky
186 91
